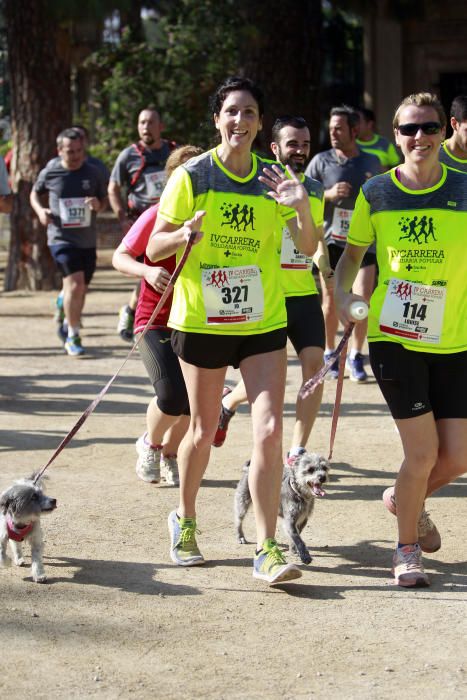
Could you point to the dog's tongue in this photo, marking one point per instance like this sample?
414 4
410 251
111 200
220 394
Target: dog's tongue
317 491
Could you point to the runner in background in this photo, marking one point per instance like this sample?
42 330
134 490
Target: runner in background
59 315
136 183
453 151
370 142
342 170
305 322
167 416
75 192
417 334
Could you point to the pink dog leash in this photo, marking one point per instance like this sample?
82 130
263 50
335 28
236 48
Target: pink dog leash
166 293
310 385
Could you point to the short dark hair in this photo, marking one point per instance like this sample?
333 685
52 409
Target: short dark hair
69 133
80 127
231 85
150 108
348 112
287 120
367 114
459 108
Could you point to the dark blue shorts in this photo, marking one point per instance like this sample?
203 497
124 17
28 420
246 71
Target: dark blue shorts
414 383
70 260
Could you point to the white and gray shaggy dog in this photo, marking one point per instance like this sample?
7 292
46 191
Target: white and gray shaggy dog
21 507
300 485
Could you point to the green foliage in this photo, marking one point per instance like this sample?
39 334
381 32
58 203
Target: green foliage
5 146
197 46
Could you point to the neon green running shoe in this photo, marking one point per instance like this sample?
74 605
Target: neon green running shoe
184 550
270 565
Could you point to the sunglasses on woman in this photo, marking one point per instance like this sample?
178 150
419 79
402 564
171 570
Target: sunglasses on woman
428 128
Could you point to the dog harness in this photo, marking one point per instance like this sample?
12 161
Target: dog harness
17 533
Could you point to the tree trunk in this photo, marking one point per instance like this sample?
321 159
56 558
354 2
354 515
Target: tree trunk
283 54
39 65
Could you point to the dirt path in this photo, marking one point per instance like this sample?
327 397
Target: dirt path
118 620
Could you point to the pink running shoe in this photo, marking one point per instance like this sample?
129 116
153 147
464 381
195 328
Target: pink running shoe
407 567
429 538
224 420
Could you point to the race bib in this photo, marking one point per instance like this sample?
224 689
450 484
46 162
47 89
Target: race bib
291 258
340 224
74 213
155 183
413 311
233 294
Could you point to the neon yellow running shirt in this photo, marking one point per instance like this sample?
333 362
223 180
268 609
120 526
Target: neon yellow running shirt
296 269
230 282
421 296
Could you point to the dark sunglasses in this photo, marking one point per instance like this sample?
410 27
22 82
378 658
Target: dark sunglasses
428 128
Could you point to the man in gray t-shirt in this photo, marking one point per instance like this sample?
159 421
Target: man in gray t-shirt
76 192
343 170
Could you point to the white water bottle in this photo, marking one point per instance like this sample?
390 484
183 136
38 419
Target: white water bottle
358 310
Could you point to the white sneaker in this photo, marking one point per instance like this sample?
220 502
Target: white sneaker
148 462
169 470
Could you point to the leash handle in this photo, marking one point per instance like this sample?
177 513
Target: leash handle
167 291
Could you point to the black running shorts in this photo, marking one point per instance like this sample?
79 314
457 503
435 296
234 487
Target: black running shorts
305 322
414 383
335 254
214 351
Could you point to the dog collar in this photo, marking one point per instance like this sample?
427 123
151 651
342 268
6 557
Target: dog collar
17 533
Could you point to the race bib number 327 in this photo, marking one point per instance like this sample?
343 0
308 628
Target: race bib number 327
233 294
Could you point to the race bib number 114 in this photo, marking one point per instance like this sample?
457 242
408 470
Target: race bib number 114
413 311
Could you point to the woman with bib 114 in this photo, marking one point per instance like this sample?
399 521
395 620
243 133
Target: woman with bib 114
417 334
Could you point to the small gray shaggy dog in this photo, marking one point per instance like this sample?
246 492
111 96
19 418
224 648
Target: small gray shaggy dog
21 507
300 485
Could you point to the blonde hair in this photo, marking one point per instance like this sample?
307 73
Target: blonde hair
421 99
179 156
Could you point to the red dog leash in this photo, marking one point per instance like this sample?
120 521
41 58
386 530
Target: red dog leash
101 395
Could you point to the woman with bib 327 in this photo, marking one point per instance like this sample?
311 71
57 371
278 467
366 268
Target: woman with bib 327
417 214
227 309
